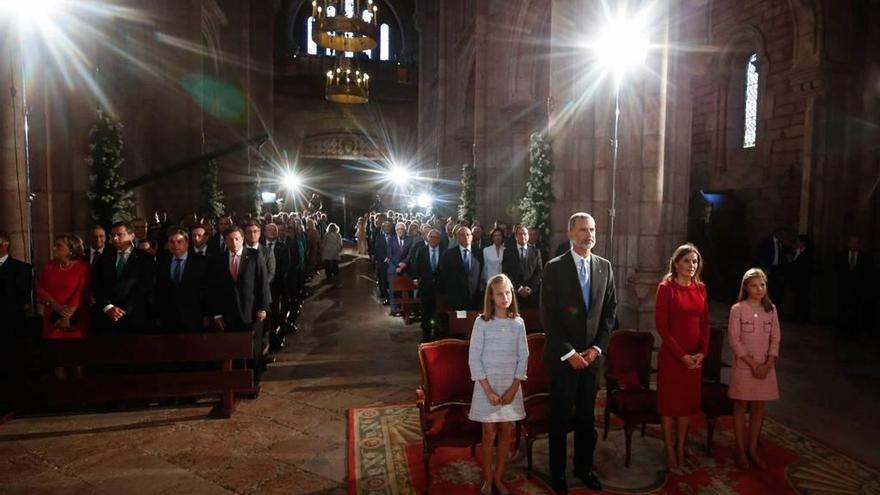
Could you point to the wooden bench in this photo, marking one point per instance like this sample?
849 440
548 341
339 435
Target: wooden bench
532 319
137 367
403 295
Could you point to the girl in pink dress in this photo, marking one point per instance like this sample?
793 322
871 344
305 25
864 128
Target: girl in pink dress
753 332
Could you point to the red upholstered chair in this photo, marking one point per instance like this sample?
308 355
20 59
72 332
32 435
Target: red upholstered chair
444 399
532 319
714 401
536 396
627 376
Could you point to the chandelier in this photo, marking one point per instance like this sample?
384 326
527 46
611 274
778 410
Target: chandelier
345 25
346 83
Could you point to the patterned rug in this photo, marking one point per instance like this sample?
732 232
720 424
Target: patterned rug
385 457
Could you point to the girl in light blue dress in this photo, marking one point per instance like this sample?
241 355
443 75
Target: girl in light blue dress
497 356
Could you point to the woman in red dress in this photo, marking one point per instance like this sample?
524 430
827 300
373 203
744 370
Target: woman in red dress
682 317
62 288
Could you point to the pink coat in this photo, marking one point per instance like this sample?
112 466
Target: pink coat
756 333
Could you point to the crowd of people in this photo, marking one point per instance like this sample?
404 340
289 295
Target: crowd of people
168 276
575 292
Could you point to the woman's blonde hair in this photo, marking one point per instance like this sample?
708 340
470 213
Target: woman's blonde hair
744 294
74 244
489 305
681 252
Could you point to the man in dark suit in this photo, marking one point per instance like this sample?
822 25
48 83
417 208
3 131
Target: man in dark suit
240 291
278 286
181 285
459 277
578 311
535 242
524 266
201 244
398 256
97 241
122 283
423 269
218 239
380 257
771 257
252 234
853 269
16 283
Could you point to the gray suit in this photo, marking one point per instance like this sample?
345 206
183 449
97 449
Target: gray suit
269 260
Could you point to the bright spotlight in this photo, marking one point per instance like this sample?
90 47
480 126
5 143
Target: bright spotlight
622 44
399 175
424 200
30 13
292 181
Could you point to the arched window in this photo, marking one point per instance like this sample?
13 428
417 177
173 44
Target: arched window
383 41
331 12
311 45
367 16
750 126
349 8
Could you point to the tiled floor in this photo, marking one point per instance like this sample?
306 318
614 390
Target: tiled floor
349 352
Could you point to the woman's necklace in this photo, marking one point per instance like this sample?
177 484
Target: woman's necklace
67 266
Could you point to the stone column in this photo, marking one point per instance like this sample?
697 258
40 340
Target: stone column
14 191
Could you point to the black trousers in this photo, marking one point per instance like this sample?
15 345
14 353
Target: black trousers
428 304
572 389
382 279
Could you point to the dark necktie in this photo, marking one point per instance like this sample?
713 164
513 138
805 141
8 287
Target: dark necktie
120 263
433 261
465 258
95 255
522 260
177 265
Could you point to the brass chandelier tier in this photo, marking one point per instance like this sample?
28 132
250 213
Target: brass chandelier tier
345 31
346 83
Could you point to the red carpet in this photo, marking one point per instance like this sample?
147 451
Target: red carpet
385 457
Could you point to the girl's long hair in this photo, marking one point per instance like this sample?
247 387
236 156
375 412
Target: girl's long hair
744 294
489 305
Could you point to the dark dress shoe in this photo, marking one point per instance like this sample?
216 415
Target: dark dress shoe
590 480
559 485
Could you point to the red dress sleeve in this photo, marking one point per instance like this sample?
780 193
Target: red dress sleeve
661 318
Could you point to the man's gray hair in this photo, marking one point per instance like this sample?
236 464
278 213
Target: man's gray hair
577 216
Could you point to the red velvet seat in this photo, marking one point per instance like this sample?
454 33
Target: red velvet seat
714 401
444 399
627 377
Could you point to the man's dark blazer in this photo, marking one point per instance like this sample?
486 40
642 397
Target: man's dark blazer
398 254
237 301
129 291
16 284
530 277
459 287
420 269
566 323
268 260
380 247
281 253
181 307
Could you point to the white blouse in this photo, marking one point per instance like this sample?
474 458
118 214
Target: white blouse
491 263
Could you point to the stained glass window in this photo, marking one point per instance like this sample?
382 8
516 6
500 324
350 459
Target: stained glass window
383 41
311 45
751 113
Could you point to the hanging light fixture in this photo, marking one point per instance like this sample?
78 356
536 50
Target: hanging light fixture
346 83
345 25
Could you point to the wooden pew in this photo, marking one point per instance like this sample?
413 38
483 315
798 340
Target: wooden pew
138 367
403 295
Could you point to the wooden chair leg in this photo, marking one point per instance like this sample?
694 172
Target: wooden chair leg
628 429
644 426
607 422
529 442
710 432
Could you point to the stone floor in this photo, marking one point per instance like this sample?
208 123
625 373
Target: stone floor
350 353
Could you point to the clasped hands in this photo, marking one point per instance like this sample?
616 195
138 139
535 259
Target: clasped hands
693 361
524 291
66 313
584 359
114 313
759 370
502 400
